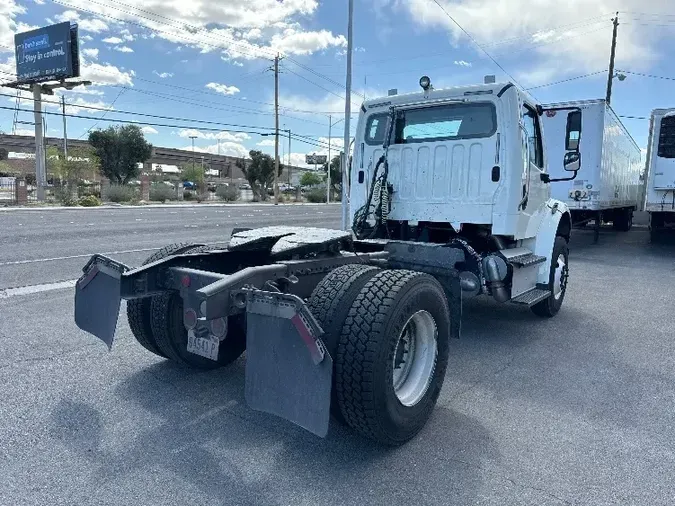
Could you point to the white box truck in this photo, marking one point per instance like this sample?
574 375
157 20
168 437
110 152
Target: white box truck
659 180
607 187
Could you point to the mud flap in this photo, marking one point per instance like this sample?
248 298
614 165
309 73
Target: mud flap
97 297
288 370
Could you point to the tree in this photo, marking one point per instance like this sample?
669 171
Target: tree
335 172
310 179
120 151
259 173
4 154
81 162
193 173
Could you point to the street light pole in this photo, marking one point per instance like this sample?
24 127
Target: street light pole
348 113
330 126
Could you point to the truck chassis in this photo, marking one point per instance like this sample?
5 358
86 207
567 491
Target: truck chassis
330 324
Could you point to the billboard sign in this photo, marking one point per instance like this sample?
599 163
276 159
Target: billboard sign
316 159
47 54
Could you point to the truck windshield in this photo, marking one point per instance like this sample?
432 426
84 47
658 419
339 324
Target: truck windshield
446 122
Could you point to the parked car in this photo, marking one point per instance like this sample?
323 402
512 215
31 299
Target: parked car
189 185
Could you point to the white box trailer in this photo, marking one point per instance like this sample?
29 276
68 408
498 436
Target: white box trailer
607 186
659 180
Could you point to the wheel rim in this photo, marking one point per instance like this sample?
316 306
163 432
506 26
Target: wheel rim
415 358
560 278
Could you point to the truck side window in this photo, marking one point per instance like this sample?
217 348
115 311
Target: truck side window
573 134
375 127
531 124
667 137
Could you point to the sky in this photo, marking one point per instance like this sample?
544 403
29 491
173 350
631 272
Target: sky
205 65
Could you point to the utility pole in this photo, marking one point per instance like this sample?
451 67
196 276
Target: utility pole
65 131
610 77
330 126
348 113
289 156
276 130
40 160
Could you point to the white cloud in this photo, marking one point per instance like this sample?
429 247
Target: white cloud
462 63
94 25
25 131
148 130
298 42
226 148
552 32
127 35
266 143
113 40
86 38
223 136
106 74
228 27
91 53
223 88
39 2
123 49
162 75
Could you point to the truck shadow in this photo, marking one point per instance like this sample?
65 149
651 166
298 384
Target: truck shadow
197 427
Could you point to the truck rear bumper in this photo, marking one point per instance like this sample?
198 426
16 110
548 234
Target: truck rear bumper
288 370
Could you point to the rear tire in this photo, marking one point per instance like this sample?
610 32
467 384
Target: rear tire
392 355
557 284
329 304
623 220
138 310
171 334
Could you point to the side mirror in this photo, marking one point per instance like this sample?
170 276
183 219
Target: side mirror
572 161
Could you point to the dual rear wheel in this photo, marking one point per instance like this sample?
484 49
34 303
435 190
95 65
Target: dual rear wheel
157 322
387 331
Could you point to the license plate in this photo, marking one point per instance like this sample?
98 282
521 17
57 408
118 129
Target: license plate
204 347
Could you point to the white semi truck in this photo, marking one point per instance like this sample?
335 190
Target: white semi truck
607 189
659 179
450 198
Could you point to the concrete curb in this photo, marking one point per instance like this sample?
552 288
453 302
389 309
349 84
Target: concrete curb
158 206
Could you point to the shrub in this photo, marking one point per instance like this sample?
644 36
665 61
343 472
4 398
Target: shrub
121 193
89 201
316 196
64 196
228 193
187 195
162 193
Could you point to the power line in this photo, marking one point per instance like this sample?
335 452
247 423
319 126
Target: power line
567 80
318 85
171 118
476 43
633 117
161 125
587 22
270 52
646 75
112 104
555 41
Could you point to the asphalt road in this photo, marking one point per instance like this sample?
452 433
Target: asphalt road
578 409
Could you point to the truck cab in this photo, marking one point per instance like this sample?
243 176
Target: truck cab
464 158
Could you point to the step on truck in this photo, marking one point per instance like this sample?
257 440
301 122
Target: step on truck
449 198
607 189
659 179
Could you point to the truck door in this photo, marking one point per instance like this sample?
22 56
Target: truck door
534 192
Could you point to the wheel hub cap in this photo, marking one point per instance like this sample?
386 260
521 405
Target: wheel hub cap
415 358
560 277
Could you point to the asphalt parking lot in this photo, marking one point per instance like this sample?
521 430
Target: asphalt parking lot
579 409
